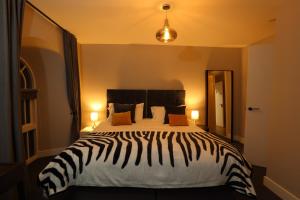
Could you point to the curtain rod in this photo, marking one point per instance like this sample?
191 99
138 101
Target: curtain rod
44 15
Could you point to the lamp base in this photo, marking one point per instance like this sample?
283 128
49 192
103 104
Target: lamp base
94 125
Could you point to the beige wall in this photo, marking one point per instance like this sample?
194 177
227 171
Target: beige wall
154 67
42 49
278 145
284 130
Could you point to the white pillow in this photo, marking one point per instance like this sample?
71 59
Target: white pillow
158 113
139 111
111 110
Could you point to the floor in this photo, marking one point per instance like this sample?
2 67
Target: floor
88 193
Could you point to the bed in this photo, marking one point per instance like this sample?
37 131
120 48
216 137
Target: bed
148 154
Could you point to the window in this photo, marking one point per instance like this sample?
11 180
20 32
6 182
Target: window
28 110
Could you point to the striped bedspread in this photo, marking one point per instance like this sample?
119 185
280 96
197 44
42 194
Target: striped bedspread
149 159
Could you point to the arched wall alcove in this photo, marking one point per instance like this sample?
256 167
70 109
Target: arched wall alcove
53 108
42 47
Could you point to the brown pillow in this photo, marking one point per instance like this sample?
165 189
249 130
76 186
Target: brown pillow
123 118
178 120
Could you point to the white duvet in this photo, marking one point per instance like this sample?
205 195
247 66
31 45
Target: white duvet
149 155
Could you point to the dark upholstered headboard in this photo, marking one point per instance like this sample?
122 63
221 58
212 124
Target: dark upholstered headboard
148 97
127 96
164 98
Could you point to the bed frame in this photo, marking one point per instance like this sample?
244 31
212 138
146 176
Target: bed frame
148 97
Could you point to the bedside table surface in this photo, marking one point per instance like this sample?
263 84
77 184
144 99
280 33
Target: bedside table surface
87 129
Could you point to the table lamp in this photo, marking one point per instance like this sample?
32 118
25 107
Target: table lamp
195 115
94 118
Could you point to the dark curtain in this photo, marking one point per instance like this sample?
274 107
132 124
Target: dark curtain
73 82
11 15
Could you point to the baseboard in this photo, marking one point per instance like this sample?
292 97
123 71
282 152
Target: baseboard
50 152
279 190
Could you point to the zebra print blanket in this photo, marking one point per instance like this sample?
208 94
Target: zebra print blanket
151 159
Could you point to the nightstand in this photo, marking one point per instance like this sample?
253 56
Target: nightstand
87 129
204 127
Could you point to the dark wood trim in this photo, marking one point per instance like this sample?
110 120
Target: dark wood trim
224 105
232 103
44 14
206 97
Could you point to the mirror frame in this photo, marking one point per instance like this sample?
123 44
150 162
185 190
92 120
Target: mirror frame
232 100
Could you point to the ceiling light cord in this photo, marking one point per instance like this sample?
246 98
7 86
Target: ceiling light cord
166 13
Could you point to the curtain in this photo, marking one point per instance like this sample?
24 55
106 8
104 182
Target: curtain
73 82
11 15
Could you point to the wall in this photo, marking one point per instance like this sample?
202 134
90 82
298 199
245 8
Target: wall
278 144
42 49
284 129
155 67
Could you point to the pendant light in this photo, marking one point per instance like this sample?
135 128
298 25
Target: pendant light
166 34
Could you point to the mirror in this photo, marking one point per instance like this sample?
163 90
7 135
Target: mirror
219 97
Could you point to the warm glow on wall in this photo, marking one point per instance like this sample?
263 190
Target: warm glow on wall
96 106
192 102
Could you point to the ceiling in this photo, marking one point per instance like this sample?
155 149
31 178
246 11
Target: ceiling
222 23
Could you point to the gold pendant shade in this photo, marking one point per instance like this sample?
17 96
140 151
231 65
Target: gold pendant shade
166 34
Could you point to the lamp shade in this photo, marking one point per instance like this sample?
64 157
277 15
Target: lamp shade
195 114
166 34
94 116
